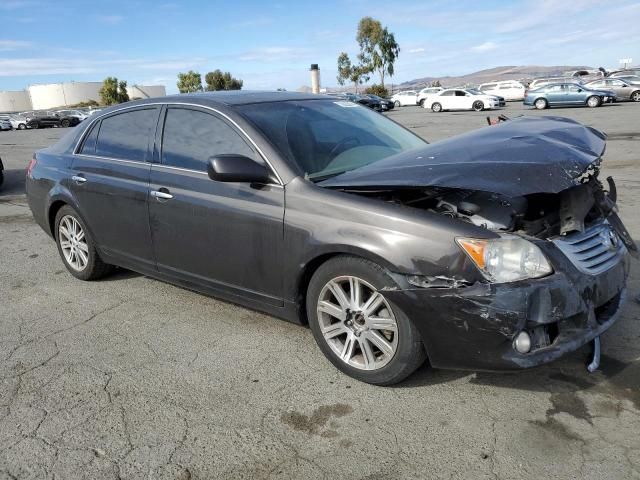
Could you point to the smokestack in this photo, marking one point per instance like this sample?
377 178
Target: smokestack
315 78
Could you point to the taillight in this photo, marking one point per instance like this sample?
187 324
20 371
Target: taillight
32 164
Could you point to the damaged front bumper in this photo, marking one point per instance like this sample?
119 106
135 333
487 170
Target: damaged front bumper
474 327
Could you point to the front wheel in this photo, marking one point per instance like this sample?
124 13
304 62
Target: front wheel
478 106
541 104
396 103
65 123
635 96
594 101
357 328
22 126
436 107
77 248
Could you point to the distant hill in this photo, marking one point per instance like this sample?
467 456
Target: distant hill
491 74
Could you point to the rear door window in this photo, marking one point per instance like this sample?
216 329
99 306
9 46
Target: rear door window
125 136
190 137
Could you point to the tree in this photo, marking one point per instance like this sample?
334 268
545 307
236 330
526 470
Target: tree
113 92
378 47
189 82
378 90
217 80
358 74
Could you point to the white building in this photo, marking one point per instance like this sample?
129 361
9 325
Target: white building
56 95
17 101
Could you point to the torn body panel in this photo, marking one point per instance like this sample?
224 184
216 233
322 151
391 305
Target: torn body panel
474 327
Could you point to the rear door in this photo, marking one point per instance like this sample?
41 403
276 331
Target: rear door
111 184
225 236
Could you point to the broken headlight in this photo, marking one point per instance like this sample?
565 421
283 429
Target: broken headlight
506 259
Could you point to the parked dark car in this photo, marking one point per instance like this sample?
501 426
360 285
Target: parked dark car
50 119
567 94
384 103
497 249
1 172
362 100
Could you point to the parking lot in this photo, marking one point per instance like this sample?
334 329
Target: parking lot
130 377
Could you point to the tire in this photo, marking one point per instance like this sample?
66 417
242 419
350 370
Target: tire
541 104
1 177
594 101
635 96
65 123
436 107
372 354
421 103
36 126
22 126
396 103
478 106
93 267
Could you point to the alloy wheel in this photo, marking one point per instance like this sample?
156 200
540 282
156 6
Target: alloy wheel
593 102
635 97
357 323
73 243
541 104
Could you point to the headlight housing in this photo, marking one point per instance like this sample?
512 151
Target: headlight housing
506 259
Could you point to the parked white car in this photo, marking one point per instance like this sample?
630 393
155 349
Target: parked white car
461 99
401 99
510 90
17 122
425 92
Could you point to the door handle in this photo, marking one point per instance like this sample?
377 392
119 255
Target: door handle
78 179
160 195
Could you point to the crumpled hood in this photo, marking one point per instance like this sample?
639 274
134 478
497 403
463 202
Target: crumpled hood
518 157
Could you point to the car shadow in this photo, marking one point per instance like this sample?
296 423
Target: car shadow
13 182
614 377
121 274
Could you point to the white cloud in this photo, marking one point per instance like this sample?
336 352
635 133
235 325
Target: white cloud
9 45
416 50
484 47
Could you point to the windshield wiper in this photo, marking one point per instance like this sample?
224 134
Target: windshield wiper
318 177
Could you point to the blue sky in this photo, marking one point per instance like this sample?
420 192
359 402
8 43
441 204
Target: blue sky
271 44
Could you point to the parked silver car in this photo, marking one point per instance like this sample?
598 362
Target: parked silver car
624 91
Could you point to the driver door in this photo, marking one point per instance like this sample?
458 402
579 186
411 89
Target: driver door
227 237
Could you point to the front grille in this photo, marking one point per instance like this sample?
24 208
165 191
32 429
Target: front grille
593 251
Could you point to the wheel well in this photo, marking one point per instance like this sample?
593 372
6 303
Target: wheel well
303 284
53 211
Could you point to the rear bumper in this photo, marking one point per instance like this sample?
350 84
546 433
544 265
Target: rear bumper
473 328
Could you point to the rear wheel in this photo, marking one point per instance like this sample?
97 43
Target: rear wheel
421 103
635 96
77 248
594 101
65 123
541 104
357 328
436 107
478 106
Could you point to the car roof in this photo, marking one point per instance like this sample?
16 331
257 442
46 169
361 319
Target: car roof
242 97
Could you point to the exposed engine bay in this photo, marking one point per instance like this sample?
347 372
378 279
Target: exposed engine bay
541 215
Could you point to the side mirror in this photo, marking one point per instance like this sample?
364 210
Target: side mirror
237 168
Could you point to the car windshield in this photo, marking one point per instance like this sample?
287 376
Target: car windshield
329 137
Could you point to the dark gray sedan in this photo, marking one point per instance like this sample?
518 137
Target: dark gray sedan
498 249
